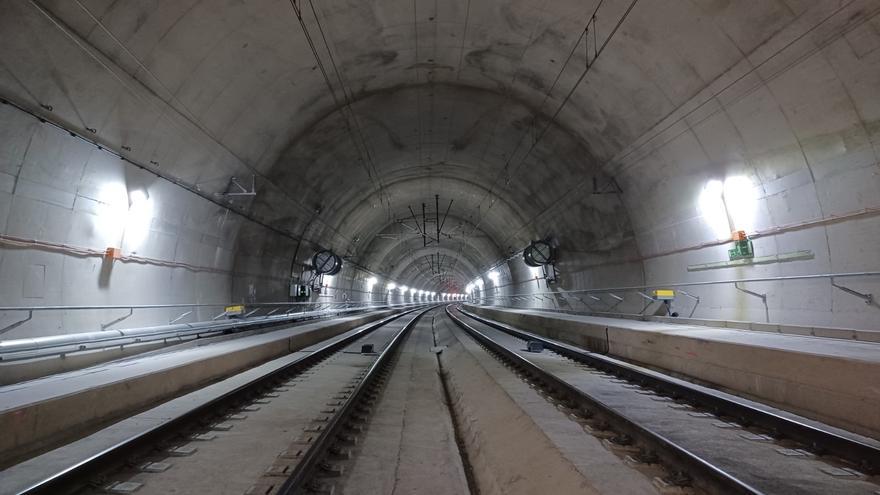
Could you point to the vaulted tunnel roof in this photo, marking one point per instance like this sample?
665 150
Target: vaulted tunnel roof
359 110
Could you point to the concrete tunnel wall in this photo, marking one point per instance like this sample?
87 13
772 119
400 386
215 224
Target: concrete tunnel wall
708 117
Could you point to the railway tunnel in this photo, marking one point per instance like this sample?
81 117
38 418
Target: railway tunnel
498 246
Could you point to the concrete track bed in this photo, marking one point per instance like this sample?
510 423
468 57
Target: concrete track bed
791 372
44 413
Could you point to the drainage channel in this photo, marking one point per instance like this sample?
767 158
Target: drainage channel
404 441
456 421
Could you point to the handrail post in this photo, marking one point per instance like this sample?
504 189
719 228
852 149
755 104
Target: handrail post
762 297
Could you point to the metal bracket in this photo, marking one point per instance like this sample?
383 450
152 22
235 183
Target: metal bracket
17 323
105 326
611 187
762 297
179 317
236 189
868 298
616 298
650 300
695 298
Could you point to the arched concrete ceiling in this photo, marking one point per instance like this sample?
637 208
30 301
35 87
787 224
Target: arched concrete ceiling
354 111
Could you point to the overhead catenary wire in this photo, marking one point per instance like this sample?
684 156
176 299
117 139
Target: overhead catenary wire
561 200
597 52
186 114
508 94
351 121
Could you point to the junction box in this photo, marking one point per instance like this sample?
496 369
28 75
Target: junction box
742 247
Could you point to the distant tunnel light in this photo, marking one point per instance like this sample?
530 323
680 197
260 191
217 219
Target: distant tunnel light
711 204
125 217
741 201
413 291
479 283
729 205
403 289
391 286
140 216
494 276
469 288
370 283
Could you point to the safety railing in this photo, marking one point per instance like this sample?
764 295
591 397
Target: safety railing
257 315
192 310
609 299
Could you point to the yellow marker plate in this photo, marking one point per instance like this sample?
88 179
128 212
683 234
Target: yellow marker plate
234 310
664 294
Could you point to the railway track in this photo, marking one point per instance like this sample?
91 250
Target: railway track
304 427
706 441
326 391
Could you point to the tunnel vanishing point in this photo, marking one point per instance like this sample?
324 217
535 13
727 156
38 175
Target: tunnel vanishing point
460 246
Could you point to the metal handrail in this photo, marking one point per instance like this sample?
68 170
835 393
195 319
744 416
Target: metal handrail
85 469
176 305
633 288
285 308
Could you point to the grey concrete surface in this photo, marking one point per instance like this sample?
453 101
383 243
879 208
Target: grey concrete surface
409 444
756 461
288 413
709 116
833 381
517 441
45 412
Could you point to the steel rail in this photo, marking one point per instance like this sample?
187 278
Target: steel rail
703 473
306 468
81 472
866 456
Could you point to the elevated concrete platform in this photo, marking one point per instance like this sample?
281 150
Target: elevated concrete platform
21 476
833 381
42 413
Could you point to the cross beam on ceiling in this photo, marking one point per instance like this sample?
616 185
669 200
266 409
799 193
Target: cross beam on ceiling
421 229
